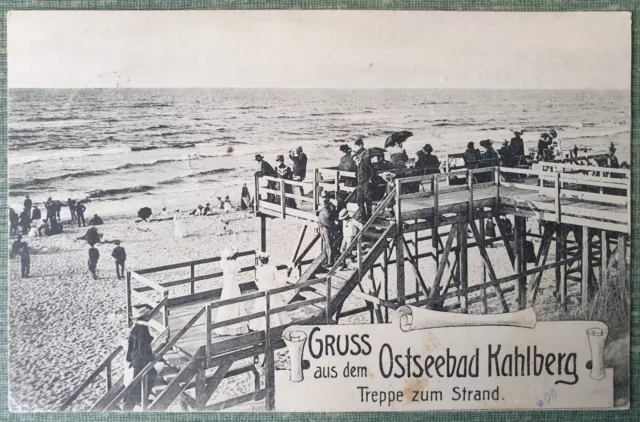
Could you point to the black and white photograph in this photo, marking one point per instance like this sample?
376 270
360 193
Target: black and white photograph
318 211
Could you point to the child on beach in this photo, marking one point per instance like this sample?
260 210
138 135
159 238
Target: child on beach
25 260
230 289
227 205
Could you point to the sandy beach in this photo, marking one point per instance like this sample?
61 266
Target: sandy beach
63 323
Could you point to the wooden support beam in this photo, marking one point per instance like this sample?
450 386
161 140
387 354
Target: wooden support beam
435 288
269 358
216 379
586 264
492 273
400 288
507 237
263 233
521 263
462 268
543 253
483 302
201 385
414 265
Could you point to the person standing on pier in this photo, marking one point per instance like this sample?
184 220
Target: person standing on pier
612 160
139 355
347 164
544 153
327 228
432 164
299 159
516 146
364 194
359 143
285 173
267 279
80 209
350 229
267 170
120 256
230 289
94 256
472 156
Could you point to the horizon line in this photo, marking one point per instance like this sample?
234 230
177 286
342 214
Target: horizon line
333 88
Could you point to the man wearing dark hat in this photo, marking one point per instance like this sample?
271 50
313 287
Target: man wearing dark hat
364 192
347 164
285 173
267 170
359 143
431 162
612 160
517 145
120 255
299 159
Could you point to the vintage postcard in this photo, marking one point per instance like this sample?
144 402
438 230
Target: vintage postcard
318 211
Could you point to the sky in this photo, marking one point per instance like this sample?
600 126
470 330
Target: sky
319 49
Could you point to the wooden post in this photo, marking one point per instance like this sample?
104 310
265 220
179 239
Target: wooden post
193 274
270 382
207 346
604 255
315 190
385 264
201 385
586 265
558 257
462 268
484 271
145 392
337 184
563 268
256 195
557 196
129 310
165 311
263 233
447 169
521 264
415 253
399 249
470 186
108 370
283 202
435 241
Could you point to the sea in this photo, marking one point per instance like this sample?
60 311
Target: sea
122 149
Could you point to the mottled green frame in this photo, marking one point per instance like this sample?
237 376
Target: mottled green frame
479 5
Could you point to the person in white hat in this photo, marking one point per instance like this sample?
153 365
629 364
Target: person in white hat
350 229
139 355
230 289
267 279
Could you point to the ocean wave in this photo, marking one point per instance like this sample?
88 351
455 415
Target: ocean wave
51 119
101 193
180 179
329 113
252 108
64 153
149 105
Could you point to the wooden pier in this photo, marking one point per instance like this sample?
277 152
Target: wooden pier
583 212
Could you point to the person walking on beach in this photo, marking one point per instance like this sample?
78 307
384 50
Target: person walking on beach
299 159
25 260
230 289
267 170
94 256
80 209
139 355
51 214
28 203
327 228
14 220
267 279
25 221
15 246
57 206
72 208
120 256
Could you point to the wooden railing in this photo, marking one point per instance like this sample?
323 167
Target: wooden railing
274 201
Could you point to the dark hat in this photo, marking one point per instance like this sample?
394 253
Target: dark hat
427 148
117 242
259 157
544 135
299 149
345 148
280 158
517 133
553 132
471 145
359 142
485 143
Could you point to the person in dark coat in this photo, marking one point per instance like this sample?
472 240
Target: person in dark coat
25 221
14 220
36 214
472 156
57 206
431 162
267 170
612 160
28 203
80 209
51 212
25 260
94 256
516 145
299 159
359 143
120 256
245 198
364 192
139 355
72 208
285 173
96 221
207 209
544 153
347 164
16 246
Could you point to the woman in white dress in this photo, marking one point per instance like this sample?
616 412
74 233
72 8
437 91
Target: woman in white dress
230 289
267 279
180 228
